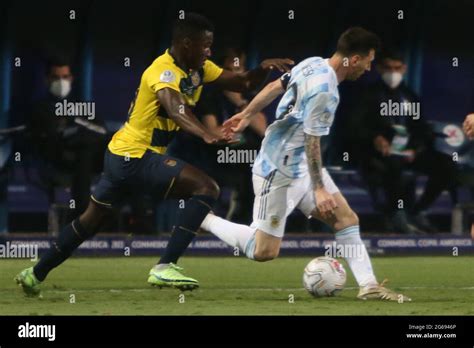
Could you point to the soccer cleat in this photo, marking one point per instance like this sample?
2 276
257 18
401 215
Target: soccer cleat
28 282
171 276
380 292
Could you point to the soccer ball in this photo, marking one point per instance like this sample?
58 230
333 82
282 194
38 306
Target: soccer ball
324 276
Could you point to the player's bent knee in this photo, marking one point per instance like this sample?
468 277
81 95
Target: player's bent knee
263 255
209 188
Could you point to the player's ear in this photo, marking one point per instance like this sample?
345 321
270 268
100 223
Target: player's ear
355 59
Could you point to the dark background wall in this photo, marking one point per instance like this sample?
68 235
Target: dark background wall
105 33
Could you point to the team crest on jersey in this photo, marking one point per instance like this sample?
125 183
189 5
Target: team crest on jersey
275 221
167 76
191 83
170 162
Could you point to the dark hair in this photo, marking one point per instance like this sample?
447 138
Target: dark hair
56 61
357 40
191 26
390 54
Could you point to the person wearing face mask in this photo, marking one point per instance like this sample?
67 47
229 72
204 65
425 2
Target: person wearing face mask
386 146
64 146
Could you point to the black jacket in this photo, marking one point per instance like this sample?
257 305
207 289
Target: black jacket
366 122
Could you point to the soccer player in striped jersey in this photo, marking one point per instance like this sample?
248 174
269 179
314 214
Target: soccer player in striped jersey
288 172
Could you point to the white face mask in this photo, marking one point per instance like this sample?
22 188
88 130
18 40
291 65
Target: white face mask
60 88
392 79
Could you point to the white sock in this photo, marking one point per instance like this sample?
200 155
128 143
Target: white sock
235 235
359 262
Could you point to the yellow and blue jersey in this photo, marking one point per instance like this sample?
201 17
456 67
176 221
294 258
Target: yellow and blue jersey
148 126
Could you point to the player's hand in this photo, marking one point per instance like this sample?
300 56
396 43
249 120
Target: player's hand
235 124
282 64
325 203
217 138
468 126
382 145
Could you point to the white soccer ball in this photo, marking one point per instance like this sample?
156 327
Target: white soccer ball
324 276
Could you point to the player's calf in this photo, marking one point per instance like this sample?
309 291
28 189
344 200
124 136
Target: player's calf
346 219
203 192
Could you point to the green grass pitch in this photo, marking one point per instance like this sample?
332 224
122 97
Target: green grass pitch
237 286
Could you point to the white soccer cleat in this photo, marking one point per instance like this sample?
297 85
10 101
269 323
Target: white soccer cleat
380 292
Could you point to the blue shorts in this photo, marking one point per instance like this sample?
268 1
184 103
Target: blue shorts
152 174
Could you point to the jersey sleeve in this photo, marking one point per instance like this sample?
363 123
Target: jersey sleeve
319 114
161 77
211 71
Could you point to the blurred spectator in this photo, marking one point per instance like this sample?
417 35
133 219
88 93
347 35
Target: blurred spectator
387 144
214 108
468 126
67 146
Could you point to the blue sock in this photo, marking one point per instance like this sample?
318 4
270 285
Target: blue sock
250 248
190 219
70 237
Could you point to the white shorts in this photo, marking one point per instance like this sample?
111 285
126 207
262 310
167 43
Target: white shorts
277 195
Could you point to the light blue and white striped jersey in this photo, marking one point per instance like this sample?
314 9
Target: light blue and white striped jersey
308 106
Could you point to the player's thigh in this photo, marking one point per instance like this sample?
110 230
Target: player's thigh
307 204
166 177
113 184
193 181
343 215
271 203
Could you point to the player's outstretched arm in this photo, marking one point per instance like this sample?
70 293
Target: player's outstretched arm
179 112
251 80
325 202
240 121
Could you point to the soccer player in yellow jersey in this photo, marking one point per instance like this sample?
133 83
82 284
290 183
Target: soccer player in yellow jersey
135 160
